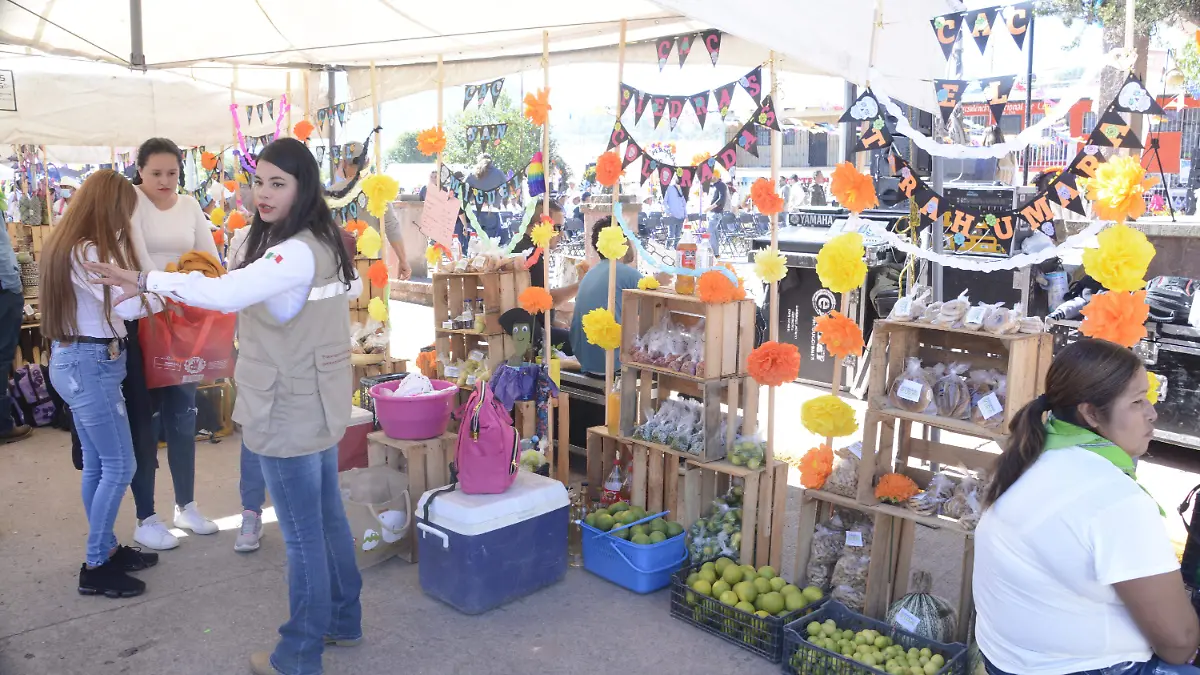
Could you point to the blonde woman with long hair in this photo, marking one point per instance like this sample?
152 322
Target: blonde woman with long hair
87 365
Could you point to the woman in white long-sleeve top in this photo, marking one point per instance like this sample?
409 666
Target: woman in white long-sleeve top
294 381
87 365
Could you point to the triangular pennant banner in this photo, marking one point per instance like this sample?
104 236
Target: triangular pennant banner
501 131
675 109
1134 98
666 173
948 93
747 139
481 96
486 133
663 49
752 83
649 167
704 172
997 90
249 113
684 47
1087 161
472 136
1066 191
700 105
659 106
1018 21
639 107
271 108
766 115
468 94
865 107
873 135
1114 132
712 42
321 114
496 87
628 94
724 95
946 27
260 111
979 23
687 176
618 136
341 113
727 156
632 152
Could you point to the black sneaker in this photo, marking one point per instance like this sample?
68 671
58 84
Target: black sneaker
17 433
133 559
110 580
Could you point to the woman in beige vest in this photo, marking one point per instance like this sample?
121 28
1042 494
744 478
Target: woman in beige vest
294 377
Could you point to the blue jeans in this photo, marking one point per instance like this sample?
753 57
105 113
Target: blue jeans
1155 666
90 382
252 484
674 227
176 406
323 579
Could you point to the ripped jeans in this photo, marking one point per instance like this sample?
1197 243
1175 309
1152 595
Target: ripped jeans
89 380
175 422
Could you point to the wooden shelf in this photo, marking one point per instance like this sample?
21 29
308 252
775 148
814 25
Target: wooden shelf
936 522
674 373
721 466
457 331
1015 337
957 426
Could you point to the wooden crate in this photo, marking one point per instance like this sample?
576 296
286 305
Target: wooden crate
38 236
663 480
374 365
458 346
525 421
728 329
358 306
643 389
499 291
425 463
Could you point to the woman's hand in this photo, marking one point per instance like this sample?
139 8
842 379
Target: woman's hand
111 275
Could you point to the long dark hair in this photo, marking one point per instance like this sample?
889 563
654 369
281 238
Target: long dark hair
157 146
308 211
1088 371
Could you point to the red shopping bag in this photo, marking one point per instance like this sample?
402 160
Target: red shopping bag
184 345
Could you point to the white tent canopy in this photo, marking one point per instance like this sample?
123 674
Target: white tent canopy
478 40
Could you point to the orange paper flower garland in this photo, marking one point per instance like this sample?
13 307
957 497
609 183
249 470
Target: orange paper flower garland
716 289
431 141
378 273
357 227
235 221
231 185
302 130
208 161
896 488
537 106
535 299
608 169
1116 317
815 467
774 363
852 189
840 335
765 198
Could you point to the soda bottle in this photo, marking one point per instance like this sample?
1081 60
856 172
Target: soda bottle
579 511
613 484
704 253
685 257
456 251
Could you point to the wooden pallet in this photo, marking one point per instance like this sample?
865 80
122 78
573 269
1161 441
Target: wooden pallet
426 463
499 291
643 390
525 421
728 328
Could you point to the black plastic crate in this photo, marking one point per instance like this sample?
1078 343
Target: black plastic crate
761 635
802 656
364 387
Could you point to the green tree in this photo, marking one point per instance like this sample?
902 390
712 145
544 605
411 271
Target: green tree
521 140
404 151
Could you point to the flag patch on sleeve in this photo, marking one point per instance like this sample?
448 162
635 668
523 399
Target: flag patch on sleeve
271 255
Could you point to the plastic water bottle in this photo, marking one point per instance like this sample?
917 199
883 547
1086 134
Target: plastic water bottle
579 510
472 246
456 252
704 253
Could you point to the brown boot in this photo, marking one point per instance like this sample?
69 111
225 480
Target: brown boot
17 433
260 664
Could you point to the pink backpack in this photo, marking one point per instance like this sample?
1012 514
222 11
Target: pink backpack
488 452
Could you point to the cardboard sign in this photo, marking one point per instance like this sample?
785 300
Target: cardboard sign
440 213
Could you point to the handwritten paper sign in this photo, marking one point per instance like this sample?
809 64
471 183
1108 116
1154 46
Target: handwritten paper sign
440 213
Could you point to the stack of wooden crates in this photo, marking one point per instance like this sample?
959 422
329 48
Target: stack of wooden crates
370 365
499 292
664 478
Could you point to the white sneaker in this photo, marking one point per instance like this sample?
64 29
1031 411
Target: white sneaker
251 532
152 533
190 518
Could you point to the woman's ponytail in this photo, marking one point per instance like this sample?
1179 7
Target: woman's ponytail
1027 437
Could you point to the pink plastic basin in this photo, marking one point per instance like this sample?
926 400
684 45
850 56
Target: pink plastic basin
414 418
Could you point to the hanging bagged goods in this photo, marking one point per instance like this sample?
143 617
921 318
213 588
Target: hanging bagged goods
481 551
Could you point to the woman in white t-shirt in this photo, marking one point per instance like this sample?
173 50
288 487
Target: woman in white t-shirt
1073 568
166 225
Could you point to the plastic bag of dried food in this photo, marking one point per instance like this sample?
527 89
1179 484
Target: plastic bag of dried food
910 307
819 575
911 391
829 538
853 597
977 314
843 480
1004 322
850 579
927 503
989 393
932 310
950 392
952 312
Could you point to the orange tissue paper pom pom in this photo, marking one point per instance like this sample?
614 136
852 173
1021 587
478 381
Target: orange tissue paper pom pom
302 130
431 141
378 273
774 363
852 189
608 169
840 335
1116 317
895 488
815 467
357 226
208 161
537 106
535 299
766 200
716 289
231 185
218 236
235 221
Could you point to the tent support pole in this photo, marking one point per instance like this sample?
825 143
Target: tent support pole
288 119
375 119
331 101
226 170
773 320
609 361
112 157
547 347
46 185
441 82
307 95
137 58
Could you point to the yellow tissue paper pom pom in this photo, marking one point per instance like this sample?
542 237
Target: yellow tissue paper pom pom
648 283
612 243
1120 262
769 266
1117 188
840 263
433 256
542 233
1152 392
381 190
217 216
828 416
378 310
356 399
369 243
602 329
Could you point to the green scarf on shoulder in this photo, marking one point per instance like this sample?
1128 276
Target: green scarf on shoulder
1060 434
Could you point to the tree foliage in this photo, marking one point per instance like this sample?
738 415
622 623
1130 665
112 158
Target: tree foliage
404 151
1111 13
513 153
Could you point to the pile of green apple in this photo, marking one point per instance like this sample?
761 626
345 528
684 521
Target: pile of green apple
620 514
868 647
741 588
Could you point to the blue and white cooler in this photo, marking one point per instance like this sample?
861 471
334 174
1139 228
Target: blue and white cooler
478 552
